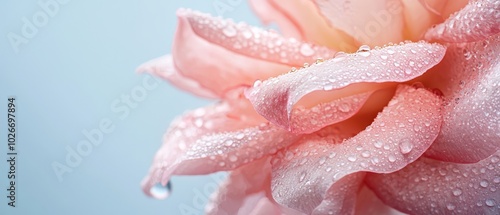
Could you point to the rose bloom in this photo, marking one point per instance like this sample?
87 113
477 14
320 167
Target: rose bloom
355 107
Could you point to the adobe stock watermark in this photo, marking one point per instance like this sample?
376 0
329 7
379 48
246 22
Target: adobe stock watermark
93 137
198 204
223 6
30 25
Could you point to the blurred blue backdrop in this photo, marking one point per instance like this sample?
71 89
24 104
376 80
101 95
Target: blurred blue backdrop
66 76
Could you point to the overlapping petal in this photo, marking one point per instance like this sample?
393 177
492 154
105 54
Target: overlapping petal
301 19
220 137
399 135
221 55
274 98
435 187
366 21
469 77
477 21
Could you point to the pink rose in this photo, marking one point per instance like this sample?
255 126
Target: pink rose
410 127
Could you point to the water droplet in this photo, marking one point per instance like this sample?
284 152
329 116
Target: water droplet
302 176
233 158
328 87
198 122
352 158
391 158
484 183
332 155
384 57
158 191
229 143
222 163
467 54
257 83
490 202
390 51
496 180
378 144
364 48
306 50
344 107
405 147
457 192
229 31
240 136
365 154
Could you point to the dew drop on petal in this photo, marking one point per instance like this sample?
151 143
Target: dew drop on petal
457 192
490 202
405 147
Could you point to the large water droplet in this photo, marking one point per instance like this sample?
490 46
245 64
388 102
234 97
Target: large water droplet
364 50
257 83
484 183
158 191
490 202
352 158
405 147
240 136
306 50
457 192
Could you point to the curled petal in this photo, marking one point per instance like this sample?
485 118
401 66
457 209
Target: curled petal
434 187
215 138
274 98
477 21
164 67
469 77
221 55
312 175
366 20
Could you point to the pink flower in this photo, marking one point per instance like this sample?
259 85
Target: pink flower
410 127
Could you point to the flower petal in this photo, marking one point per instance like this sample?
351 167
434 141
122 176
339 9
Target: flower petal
301 19
369 203
245 192
274 98
215 138
478 20
164 67
434 187
221 55
366 21
469 77
312 175
241 184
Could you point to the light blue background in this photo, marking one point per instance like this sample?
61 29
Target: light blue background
66 79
